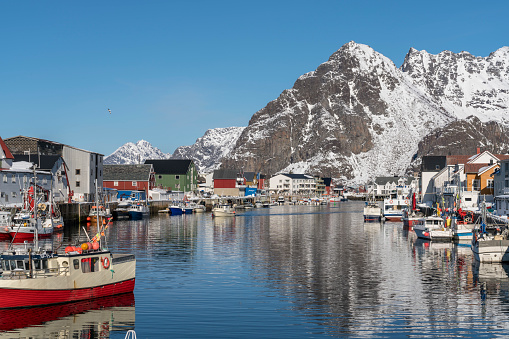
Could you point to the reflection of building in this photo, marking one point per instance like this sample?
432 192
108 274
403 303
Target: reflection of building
83 167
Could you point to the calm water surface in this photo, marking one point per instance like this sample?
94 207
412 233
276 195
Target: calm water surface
287 272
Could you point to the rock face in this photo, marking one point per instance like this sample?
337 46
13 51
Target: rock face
463 137
208 150
358 116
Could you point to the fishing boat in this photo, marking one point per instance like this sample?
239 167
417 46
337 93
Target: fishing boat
433 228
122 210
199 208
411 214
138 211
490 243
5 224
176 209
45 278
223 210
25 226
372 211
98 213
34 277
393 208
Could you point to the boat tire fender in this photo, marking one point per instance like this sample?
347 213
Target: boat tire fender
106 262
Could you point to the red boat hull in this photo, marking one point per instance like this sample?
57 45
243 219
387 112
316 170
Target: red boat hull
11 297
21 237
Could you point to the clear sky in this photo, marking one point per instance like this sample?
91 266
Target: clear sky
170 70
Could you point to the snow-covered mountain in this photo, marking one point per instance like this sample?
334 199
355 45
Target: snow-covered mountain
208 151
358 116
131 153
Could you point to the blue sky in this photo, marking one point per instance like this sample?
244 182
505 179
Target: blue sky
171 70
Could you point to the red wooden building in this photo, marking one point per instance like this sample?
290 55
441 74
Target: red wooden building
129 177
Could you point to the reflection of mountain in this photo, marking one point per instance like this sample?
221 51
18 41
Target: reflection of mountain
95 318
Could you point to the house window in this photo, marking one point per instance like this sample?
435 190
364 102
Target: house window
5 177
135 183
177 177
78 171
77 184
13 179
115 183
13 194
475 184
489 183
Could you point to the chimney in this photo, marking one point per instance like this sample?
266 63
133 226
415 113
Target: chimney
478 150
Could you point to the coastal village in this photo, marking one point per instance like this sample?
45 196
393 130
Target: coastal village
77 176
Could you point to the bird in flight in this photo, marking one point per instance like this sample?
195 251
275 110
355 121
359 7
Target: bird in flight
109 110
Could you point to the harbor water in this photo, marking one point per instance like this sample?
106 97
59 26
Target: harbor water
284 272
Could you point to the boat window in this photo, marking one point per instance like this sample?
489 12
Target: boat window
44 264
85 265
27 265
7 265
37 264
76 264
95 264
20 264
2 265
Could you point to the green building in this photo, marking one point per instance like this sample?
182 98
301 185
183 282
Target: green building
175 174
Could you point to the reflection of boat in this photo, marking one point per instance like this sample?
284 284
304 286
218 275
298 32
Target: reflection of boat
223 211
101 315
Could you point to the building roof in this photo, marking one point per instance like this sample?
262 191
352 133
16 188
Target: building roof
127 172
474 168
250 176
5 150
170 166
225 174
385 180
433 163
50 142
457 159
43 162
297 176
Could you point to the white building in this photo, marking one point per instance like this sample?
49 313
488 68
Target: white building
83 167
290 184
392 186
501 188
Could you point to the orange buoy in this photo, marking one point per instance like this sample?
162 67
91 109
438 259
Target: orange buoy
84 246
69 249
95 246
88 218
89 245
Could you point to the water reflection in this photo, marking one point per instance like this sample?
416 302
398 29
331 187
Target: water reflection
96 318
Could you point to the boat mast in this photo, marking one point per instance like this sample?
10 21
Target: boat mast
36 233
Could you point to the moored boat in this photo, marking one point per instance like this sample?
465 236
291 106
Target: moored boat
138 211
393 208
372 211
433 228
223 211
98 214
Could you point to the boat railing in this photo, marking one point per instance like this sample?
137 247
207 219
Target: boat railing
42 273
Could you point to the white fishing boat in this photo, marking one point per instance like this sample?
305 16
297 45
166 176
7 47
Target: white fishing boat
433 228
5 224
490 244
223 211
372 211
393 208
198 208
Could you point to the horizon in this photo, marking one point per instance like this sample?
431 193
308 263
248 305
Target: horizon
98 75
